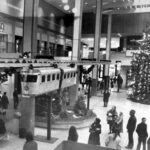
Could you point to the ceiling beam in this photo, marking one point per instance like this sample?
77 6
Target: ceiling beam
126 4
128 11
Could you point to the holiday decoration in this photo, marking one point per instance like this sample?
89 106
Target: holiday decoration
139 75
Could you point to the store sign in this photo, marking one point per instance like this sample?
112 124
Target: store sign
131 52
1 27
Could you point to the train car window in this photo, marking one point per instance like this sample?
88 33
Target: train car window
53 77
22 78
31 78
74 74
65 76
68 75
57 76
48 77
71 74
43 78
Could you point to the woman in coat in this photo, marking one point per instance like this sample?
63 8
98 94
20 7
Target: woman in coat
30 144
106 98
95 131
73 135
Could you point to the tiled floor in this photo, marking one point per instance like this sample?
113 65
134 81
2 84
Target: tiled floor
96 104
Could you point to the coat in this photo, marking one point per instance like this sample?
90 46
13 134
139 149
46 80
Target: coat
2 127
142 130
131 124
5 101
106 96
32 145
95 130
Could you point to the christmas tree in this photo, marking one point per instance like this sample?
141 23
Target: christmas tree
139 74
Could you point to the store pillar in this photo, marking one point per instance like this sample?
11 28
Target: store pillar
108 48
73 91
30 26
27 109
97 44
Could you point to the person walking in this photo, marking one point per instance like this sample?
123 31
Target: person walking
30 144
131 125
95 131
73 135
5 103
119 82
112 84
106 97
142 134
16 99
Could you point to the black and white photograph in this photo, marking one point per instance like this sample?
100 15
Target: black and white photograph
74 74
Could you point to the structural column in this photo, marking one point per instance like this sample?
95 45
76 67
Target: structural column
27 109
30 26
124 44
76 44
97 43
108 48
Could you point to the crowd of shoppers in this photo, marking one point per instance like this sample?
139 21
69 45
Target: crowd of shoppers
114 138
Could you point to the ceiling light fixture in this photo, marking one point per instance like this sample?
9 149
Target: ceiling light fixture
74 10
66 7
65 1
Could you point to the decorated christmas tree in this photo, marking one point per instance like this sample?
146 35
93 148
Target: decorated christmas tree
140 71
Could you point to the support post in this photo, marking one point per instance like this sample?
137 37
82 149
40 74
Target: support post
97 44
27 120
89 93
76 44
30 26
108 48
49 118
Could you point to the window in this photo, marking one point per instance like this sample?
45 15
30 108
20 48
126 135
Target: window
3 43
31 78
57 76
65 76
71 74
68 75
48 77
43 78
53 77
23 78
74 74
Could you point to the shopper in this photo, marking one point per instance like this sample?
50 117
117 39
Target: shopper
119 122
95 131
131 125
111 117
30 144
5 103
113 141
119 82
73 135
142 134
16 99
112 84
106 97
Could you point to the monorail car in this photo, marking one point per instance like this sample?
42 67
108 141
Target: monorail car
43 80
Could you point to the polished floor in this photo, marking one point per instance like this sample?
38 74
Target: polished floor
96 104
